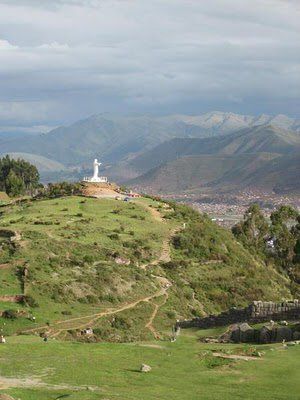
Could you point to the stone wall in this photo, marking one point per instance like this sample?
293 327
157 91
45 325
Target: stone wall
258 311
270 333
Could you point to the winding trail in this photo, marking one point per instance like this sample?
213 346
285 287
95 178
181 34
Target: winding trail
166 284
82 322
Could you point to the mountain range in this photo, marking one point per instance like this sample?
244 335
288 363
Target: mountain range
131 146
260 157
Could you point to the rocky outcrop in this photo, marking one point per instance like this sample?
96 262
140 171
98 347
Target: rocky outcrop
258 311
244 333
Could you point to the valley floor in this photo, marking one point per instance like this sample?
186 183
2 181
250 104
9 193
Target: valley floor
185 370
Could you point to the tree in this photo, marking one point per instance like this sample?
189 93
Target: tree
17 176
14 185
253 230
285 231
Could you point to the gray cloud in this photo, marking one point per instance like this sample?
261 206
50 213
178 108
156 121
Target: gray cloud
65 59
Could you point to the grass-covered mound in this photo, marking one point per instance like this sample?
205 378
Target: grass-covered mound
128 269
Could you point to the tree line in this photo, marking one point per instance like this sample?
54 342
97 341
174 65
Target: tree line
277 239
18 177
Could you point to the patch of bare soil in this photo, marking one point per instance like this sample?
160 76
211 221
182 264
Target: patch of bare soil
5 266
12 299
235 356
100 190
6 397
151 346
35 382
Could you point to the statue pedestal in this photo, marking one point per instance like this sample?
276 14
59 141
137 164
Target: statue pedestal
100 189
99 179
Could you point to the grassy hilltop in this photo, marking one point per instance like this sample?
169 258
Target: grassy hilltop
129 270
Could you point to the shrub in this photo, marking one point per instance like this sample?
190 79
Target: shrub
121 323
66 312
114 236
10 314
30 301
171 314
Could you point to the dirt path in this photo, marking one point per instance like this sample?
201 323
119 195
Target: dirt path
153 211
166 284
5 266
88 320
12 298
165 254
82 322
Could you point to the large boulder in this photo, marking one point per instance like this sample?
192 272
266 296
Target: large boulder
242 333
284 333
265 335
296 335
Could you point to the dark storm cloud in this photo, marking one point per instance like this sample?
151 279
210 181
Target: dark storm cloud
64 59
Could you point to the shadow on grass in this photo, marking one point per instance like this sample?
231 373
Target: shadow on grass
133 370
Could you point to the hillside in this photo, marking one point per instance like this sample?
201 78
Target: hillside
117 266
254 157
193 173
282 174
261 139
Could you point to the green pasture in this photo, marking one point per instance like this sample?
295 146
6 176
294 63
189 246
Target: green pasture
184 370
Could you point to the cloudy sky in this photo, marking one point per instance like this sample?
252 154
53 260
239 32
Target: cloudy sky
61 60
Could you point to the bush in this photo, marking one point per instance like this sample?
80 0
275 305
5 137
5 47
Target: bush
60 189
10 314
30 301
66 312
114 236
171 314
121 323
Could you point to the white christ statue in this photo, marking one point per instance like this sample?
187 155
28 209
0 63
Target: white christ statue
96 178
96 170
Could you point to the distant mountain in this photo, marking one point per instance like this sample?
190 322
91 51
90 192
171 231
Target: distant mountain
217 122
43 164
263 156
115 138
281 174
260 139
191 173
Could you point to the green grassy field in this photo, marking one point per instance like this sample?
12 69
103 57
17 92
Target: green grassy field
184 370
